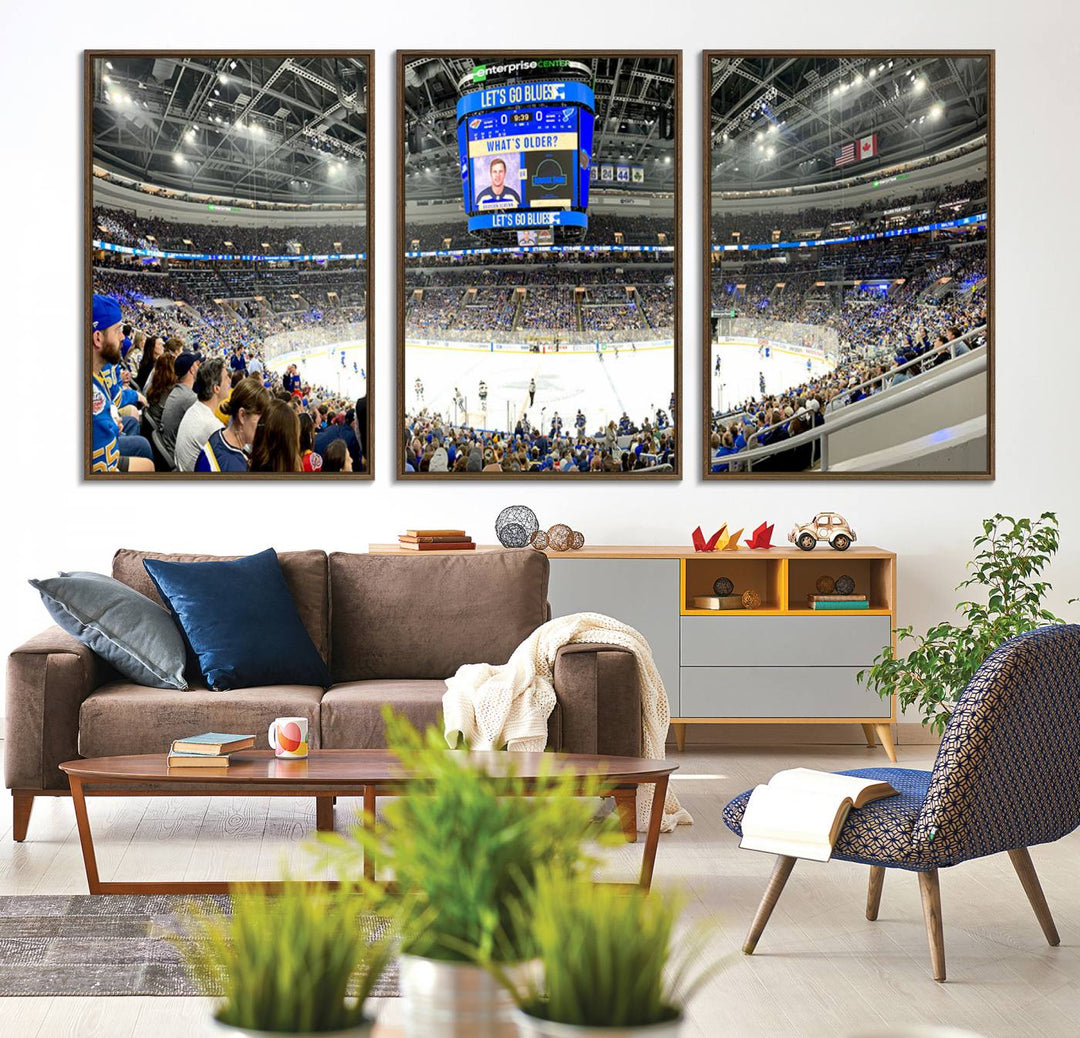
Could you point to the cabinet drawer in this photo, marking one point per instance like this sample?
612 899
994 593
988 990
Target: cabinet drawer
782 641
778 692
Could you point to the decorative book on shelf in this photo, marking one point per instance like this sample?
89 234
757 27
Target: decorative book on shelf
436 540
801 811
212 744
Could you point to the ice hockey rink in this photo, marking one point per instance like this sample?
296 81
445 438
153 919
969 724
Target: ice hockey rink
322 366
742 363
637 381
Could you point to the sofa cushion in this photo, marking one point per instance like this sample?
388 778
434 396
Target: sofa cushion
122 718
304 571
352 712
395 616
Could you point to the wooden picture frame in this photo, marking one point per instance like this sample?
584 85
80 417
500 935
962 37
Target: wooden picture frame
626 63
295 120
766 101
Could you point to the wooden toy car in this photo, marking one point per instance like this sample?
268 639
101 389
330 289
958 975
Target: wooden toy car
825 526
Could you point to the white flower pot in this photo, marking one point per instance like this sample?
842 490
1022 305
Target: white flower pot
452 1000
534 1027
361 1030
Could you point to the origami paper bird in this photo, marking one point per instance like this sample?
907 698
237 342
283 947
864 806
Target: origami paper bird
733 541
762 537
700 544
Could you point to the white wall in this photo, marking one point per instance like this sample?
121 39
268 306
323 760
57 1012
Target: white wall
54 521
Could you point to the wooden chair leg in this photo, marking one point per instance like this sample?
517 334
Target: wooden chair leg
22 804
871 740
1021 860
873 892
626 806
680 736
781 871
931 906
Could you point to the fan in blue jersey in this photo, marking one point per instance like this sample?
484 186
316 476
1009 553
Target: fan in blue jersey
290 381
227 449
106 336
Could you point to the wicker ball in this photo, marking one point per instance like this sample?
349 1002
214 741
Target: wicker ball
577 542
560 537
723 586
539 540
825 585
515 526
751 599
845 585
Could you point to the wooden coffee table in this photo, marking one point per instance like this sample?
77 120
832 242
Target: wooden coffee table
327 774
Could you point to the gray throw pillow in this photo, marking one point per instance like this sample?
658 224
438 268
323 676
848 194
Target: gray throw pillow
136 635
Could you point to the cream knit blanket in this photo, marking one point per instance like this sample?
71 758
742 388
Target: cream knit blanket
510 705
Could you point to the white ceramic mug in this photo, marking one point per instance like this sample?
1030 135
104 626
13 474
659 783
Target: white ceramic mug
288 737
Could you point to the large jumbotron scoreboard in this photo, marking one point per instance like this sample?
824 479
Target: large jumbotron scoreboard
525 149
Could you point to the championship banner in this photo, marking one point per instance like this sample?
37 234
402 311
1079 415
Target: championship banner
594 174
622 174
637 174
607 172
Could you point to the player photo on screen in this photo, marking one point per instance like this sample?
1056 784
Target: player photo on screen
539 324
227 265
849 316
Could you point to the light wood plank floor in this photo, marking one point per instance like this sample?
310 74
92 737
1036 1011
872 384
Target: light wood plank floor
820 969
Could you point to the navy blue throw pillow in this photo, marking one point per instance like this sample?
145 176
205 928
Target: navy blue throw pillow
241 621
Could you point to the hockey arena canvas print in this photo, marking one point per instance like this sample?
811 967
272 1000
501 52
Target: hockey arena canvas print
228 265
849 265
539 281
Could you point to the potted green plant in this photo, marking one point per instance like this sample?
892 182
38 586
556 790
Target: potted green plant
1010 556
606 960
297 962
465 849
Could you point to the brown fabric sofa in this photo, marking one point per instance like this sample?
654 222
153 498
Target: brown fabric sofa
390 628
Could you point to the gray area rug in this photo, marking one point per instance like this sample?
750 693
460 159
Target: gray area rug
111 944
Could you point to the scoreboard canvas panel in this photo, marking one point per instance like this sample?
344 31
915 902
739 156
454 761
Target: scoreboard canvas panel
525 152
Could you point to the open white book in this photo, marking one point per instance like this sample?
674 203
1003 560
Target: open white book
801 811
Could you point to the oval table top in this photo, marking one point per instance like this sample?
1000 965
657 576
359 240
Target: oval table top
374 767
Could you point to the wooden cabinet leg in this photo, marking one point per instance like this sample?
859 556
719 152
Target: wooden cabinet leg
324 814
868 731
21 804
935 935
781 871
873 892
680 736
626 805
884 732
1021 860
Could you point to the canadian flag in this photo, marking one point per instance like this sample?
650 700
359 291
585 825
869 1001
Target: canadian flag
867 147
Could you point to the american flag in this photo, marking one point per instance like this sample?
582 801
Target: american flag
846 155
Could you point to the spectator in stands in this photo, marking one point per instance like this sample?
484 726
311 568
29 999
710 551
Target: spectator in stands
200 421
227 449
164 378
339 430
309 460
181 396
276 447
105 334
337 458
153 348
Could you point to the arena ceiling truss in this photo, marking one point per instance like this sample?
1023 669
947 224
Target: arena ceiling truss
264 128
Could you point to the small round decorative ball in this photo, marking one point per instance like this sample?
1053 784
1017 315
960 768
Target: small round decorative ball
825 585
845 585
577 542
515 525
751 599
723 586
540 540
560 537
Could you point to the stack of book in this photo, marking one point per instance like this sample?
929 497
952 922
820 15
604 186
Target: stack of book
838 601
436 540
209 750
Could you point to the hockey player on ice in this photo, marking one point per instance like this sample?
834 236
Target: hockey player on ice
532 391
579 422
418 388
482 393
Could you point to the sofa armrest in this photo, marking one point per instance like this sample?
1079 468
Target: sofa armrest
47 679
599 699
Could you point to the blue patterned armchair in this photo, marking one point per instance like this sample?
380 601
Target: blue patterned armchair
1006 777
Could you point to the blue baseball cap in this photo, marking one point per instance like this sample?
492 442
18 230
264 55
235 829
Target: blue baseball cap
105 313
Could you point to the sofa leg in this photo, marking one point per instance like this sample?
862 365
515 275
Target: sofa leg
324 814
626 805
873 893
1021 860
22 805
781 871
931 905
